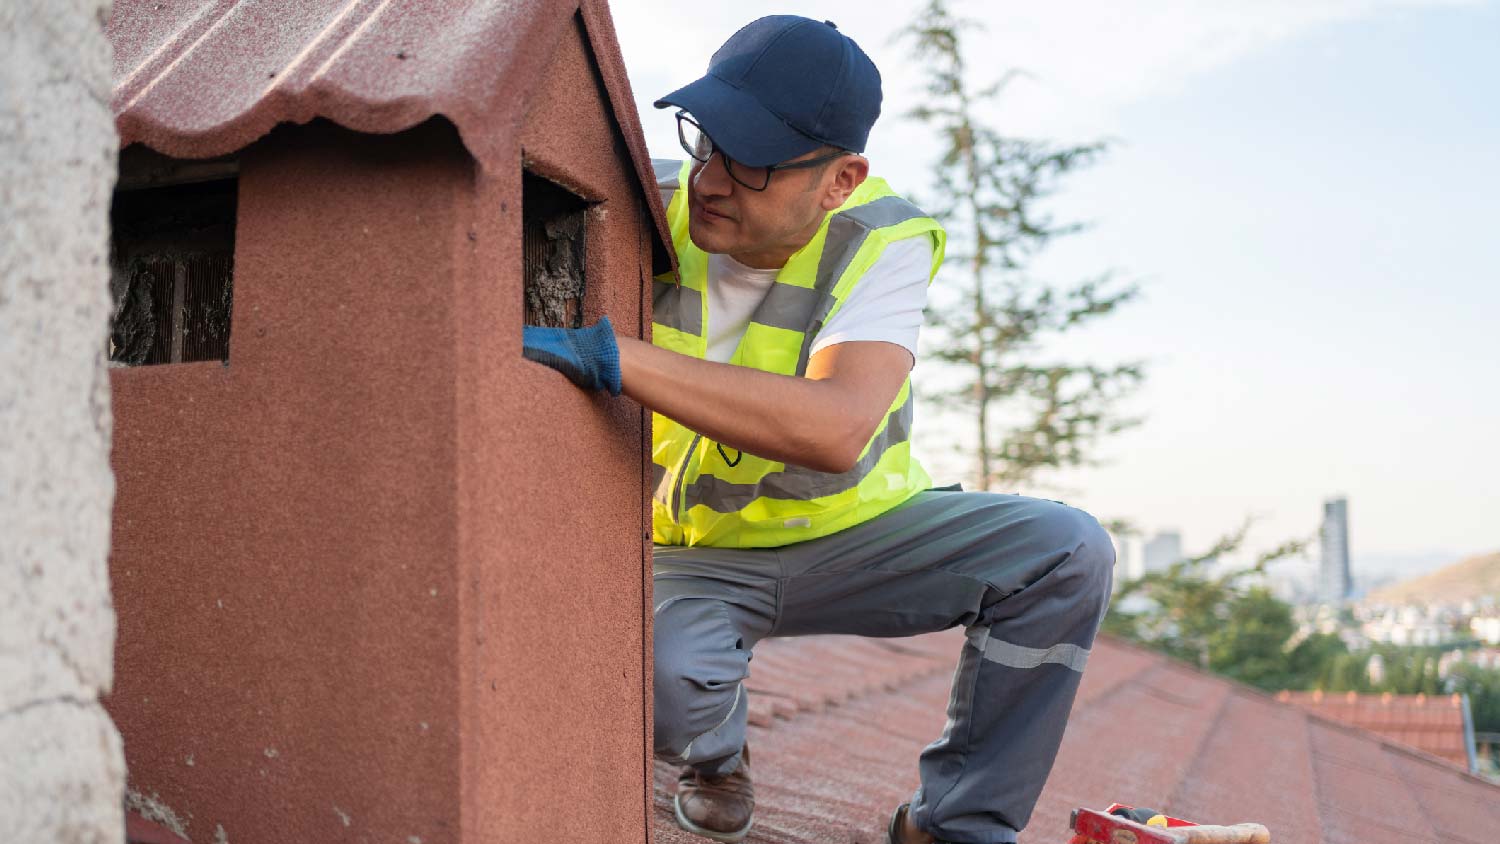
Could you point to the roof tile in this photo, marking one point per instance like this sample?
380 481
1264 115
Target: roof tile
203 78
1433 724
1144 730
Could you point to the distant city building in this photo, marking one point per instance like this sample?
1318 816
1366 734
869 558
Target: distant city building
1325 618
1161 551
1486 628
1284 588
1487 658
1130 557
1411 625
1334 581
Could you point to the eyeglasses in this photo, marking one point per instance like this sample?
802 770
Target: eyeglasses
701 147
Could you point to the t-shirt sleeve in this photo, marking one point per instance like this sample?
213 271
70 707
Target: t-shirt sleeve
887 303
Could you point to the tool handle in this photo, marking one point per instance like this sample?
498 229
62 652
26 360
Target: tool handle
1244 833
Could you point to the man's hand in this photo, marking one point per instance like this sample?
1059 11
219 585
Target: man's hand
590 357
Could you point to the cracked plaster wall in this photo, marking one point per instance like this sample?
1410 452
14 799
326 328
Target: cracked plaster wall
62 778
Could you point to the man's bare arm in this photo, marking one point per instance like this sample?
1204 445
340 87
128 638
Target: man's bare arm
821 421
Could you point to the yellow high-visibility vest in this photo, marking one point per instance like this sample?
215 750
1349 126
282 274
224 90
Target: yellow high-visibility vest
708 495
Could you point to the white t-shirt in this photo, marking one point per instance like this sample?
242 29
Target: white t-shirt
886 304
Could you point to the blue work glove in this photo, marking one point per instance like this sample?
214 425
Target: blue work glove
590 357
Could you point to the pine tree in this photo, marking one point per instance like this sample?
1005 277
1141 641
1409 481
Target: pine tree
1029 414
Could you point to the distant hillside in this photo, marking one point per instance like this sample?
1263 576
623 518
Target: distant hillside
1465 579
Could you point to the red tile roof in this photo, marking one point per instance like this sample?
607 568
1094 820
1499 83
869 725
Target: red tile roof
1434 724
201 78
837 725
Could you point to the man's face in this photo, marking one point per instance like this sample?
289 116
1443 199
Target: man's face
759 228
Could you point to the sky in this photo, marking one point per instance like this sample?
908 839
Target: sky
1305 190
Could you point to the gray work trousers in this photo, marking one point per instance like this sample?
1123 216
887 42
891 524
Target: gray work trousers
1028 578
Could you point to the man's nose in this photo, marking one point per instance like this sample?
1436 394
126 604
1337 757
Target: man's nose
712 178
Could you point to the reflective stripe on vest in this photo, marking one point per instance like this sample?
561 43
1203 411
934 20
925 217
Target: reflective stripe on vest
708 494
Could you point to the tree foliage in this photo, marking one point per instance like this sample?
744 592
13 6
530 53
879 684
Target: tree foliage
1482 685
1312 658
1223 623
1233 626
1404 670
1250 646
1030 414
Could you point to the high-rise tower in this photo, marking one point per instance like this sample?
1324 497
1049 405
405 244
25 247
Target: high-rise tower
1334 582
1161 551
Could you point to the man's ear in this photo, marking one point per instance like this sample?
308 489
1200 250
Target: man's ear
847 174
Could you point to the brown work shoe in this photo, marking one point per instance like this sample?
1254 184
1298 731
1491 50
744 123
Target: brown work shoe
721 808
903 830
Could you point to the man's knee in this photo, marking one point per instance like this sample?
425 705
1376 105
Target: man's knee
1090 560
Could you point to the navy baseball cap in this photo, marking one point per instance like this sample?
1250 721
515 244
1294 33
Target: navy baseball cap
781 87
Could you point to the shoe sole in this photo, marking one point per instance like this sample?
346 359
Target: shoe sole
727 837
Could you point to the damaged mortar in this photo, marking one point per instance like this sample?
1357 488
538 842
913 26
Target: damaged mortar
554 289
552 254
134 330
152 809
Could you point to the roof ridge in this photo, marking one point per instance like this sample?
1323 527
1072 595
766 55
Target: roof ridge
1397 776
1312 764
1407 784
1390 744
1197 756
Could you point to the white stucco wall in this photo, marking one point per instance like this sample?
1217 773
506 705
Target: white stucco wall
61 767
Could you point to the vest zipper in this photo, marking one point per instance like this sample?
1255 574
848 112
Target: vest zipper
680 488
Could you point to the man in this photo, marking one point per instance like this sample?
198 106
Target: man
787 501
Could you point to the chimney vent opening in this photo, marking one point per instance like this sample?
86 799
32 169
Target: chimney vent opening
171 261
552 231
